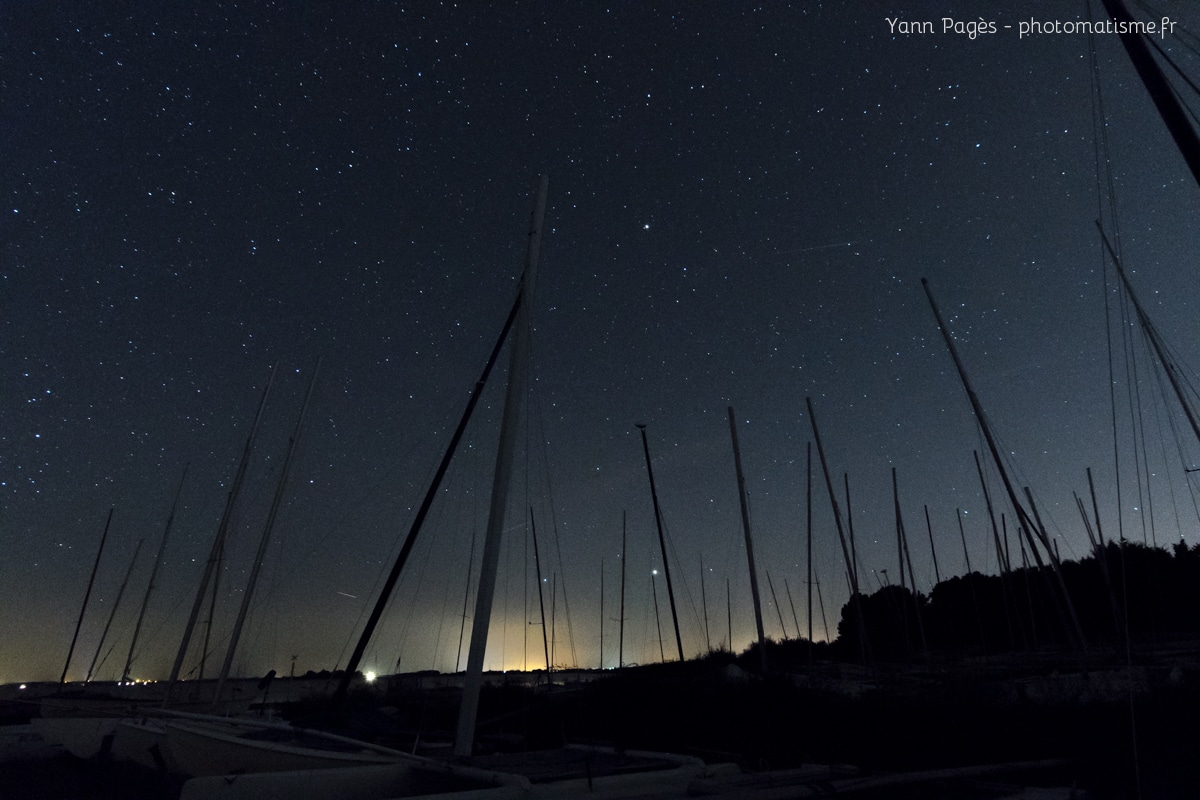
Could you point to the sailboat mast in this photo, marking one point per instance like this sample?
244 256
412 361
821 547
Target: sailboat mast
1160 91
662 655
977 407
821 600
218 545
987 497
518 370
537 562
601 613
837 519
462 628
1004 533
265 540
662 542
112 614
754 594
704 607
792 603
899 530
775 600
621 628
1095 508
212 612
912 576
728 616
1001 556
1025 523
937 575
414 530
1155 340
808 557
850 527
1055 563
424 510
963 536
837 516
87 594
162 546
525 606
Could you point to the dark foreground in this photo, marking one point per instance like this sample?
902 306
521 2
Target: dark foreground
64 777
1091 721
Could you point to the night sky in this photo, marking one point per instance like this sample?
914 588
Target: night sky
743 201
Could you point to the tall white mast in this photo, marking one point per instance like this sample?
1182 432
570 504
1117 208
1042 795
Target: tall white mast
517 378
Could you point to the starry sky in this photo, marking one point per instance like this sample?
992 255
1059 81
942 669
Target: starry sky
743 200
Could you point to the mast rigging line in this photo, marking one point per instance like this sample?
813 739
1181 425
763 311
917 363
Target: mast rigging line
1156 379
1134 406
1176 438
456 480
1155 338
281 574
268 532
1186 386
537 420
218 546
390 556
1157 373
689 598
447 586
113 614
1103 166
137 628
422 512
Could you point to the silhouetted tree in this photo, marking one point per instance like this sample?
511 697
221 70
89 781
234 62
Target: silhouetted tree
890 621
1157 589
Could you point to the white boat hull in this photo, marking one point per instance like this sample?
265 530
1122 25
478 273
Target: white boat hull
200 749
143 742
432 780
83 737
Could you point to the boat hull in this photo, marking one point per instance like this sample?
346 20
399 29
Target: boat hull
402 780
200 750
82 737
547 775
143 742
